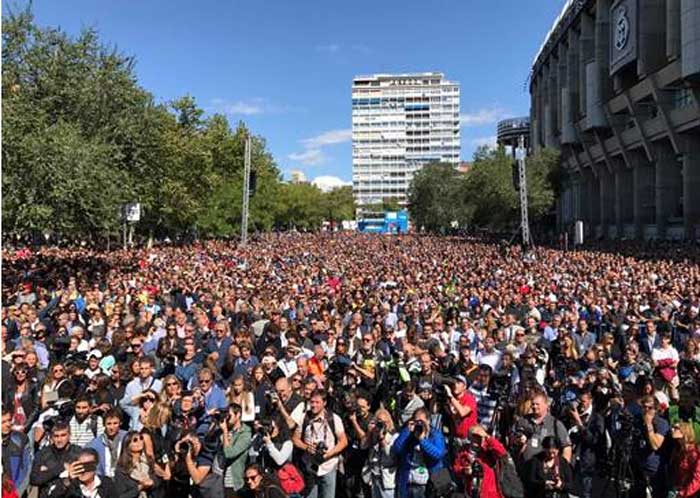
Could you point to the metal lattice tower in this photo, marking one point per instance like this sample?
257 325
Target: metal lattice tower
522 178
246 192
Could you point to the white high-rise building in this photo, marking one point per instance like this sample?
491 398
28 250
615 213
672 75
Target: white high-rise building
400 122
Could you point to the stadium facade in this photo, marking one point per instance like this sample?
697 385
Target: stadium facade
615 88
400 122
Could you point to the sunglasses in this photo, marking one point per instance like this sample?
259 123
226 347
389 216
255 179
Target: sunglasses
252 478
205 381
296 380
137 439
136 345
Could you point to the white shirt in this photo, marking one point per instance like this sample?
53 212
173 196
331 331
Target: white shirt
664 354
492 359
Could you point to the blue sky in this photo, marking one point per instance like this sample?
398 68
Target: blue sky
285 67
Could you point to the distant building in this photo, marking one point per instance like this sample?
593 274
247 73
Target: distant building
464 167
616 89
400 122
298 176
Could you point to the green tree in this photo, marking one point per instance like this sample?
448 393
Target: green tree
300 206
434 197
338 204
491 197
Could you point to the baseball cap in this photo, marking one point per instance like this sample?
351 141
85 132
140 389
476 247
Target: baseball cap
96 353
460 378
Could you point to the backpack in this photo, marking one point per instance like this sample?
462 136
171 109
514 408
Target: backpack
290 479
508 480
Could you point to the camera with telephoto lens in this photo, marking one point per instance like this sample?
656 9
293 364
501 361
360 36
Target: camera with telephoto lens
381 426
418 428
317 457
265 427
185 447
272 396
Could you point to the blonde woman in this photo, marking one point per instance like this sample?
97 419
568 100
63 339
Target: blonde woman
240 394
685 460
155 441
172 389
380 470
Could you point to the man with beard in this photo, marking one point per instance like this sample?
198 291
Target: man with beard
84 427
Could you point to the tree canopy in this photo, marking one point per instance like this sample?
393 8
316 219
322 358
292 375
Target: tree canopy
485 195
81 138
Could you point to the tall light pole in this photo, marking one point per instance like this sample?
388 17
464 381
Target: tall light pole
522 180
246 192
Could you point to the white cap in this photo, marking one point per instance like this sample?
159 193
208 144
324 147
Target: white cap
96 353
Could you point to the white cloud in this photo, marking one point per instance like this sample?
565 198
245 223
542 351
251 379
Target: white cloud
328 138
330 48
309 157
327 183
313 154
487 141
483 116
249 107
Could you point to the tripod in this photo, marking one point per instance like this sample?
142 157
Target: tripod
620 480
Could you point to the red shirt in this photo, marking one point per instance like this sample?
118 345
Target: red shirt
463 424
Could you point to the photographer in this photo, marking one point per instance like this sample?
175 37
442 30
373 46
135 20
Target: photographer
476 466
236 442
321 438
648 459
277 445
356 454
52 460
290 405
202 460
547 474
420 450
540 424
380 468
81 480
588 437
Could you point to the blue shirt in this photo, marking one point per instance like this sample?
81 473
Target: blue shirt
648 459
433 449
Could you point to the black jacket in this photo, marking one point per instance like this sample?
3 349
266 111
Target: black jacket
106 489
129 488
534 478
29 401
589 447
48 465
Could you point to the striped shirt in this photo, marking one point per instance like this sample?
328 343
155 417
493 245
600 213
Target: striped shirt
82 434
485 405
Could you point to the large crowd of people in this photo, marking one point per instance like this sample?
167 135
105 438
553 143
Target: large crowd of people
347 365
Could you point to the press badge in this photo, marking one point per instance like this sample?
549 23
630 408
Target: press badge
535 443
